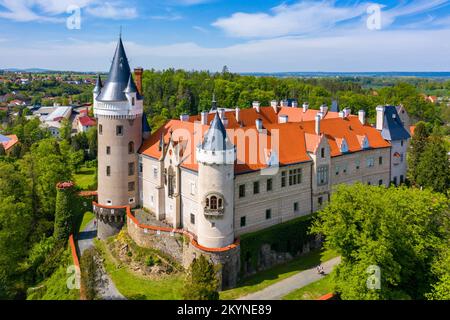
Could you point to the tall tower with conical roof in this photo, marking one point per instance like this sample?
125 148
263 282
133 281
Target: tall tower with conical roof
118 107
216 156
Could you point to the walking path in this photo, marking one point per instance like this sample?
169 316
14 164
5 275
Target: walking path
278 290
107 290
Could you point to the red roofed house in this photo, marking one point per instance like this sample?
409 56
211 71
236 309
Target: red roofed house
8 142
85 123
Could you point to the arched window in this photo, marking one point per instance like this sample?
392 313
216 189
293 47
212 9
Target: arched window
213 203
131 147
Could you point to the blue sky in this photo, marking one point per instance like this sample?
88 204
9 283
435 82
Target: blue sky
265 35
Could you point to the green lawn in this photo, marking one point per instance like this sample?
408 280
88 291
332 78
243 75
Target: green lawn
266 278
87 217
85 178
135 287
312 291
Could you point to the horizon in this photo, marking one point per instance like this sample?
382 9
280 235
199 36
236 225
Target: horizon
265 36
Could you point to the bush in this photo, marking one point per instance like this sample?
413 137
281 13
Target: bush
286 237
89 274
201 282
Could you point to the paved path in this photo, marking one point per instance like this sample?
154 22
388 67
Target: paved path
297 281
107 289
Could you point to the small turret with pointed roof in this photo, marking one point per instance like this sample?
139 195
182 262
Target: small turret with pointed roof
98 85
214 103
216 139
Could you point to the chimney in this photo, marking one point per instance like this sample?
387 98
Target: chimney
138 73
341 114
204 120
294 104
184 117
284 103
256 105
238 115
362 116
259 125
380 117
274 104
283 119
318 118
347 112
305 107
324 109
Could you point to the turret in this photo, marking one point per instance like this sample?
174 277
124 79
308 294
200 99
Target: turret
119 110
98 87
216 156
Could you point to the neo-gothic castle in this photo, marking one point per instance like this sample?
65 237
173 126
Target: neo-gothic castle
227 172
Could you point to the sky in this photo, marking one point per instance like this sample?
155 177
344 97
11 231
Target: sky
245 35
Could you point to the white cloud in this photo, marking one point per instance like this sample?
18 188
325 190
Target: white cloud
50 10
308 17
300 18
112 11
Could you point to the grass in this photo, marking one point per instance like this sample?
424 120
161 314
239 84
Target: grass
87 218
268 277
85 178
312 291
135 287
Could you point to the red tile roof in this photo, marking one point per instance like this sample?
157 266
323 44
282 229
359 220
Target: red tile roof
87 121
12 142
296 138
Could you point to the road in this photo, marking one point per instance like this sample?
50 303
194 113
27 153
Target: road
280 289
107 290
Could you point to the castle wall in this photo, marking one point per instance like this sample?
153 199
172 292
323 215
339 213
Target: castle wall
399 165
190 203
280 200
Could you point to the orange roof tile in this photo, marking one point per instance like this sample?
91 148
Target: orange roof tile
296 138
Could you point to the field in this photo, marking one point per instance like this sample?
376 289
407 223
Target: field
85 178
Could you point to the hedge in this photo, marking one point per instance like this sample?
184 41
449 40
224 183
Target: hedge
289 237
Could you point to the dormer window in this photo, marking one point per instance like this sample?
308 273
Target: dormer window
214 205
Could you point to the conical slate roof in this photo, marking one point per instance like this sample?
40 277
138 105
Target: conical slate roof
98 85
119 76
131 86
216 138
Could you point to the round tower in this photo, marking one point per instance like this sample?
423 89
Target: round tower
118 108
216 156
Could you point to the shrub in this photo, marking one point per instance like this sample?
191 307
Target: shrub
89 274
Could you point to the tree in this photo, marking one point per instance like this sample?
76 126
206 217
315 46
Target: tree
2 150
362 224
418 144
88 275
441 268
64 213
201 282
433 170
66 130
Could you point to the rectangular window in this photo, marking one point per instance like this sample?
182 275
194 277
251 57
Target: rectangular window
100 129
295 206
243 221
108 150
242 191
131 168
283 179
130 186
320 201
268 214
192 188
370 162
395 181
108 171
269 184
192 218
256 187
380 183
119 131
322 175
295 177
402 179
322 153
155 173
141 168
380 161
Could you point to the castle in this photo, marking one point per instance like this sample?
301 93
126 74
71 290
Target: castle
227 172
